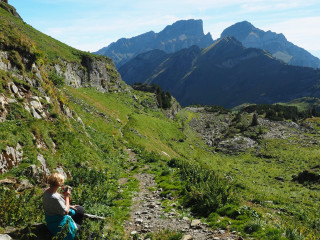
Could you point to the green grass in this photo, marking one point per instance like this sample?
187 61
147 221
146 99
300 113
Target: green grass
245 192
304 104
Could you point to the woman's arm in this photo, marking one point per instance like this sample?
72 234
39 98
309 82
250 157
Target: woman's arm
67 199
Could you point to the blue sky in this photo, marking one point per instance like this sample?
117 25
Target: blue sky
91 25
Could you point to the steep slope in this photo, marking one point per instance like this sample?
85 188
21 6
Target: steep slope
226 73
277 44
181 34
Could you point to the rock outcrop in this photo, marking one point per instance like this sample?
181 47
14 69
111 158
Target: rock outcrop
5 5
97 73
10 158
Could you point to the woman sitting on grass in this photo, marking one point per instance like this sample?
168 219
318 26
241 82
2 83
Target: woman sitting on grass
58 211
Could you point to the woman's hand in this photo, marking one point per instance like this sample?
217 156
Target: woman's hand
74 207
66 194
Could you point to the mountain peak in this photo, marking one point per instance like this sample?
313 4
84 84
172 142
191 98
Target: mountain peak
276 44
189 27
181 34
239 30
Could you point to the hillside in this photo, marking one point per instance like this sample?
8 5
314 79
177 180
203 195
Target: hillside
152 173
179 35
226 73
276 44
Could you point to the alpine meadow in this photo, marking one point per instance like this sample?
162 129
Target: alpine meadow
193 138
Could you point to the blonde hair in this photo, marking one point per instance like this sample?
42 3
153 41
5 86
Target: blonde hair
56 179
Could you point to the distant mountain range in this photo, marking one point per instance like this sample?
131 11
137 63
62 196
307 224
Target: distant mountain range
181 34
225 73
185 33
276 44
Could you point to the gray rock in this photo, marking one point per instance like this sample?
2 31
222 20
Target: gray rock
133 233
8 181
186 219
67 111
14 88
10 158
5 237
44 165
35 102
187 237
34 172
35 114
25 184
138 220
195 223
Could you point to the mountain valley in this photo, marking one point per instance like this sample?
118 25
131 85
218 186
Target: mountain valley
151 170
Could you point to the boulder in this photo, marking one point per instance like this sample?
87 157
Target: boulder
195 223
14 88
10 158
34 172
5 237
8 181
187 237
44 165
24 184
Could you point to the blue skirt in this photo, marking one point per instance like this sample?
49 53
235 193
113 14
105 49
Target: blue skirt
57 223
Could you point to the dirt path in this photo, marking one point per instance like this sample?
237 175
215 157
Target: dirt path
148 215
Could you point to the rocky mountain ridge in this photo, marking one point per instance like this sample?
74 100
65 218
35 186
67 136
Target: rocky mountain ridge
226 73
276 44
181 34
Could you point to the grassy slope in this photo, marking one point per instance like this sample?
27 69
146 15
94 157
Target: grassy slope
304 104
101 153
18 35
293 206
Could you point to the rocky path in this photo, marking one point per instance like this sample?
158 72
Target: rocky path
148 215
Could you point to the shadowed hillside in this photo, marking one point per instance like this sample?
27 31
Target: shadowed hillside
226 73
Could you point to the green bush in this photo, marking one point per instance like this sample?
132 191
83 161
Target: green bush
230 211
252 227
292 234
204 191
15 208
56 79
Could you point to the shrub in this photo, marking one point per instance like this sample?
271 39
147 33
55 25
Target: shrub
292 234
229 210
252 227
56 79
203 190
15 208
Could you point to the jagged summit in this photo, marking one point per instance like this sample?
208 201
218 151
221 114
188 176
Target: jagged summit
179 35
276 44
189 27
